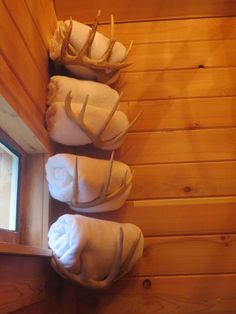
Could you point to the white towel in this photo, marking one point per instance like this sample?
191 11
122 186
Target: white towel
91 172
102 99
79 35
87 248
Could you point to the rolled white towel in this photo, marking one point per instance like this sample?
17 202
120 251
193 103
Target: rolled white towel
79 34
93 252
100 95
84 182
101 110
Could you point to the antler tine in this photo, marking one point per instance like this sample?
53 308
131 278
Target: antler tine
87 46
111 44
118 137
75 184
78 120
82 112
109 117
125 266
107 179
65 42
128 49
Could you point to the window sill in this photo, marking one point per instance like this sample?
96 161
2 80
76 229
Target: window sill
18 249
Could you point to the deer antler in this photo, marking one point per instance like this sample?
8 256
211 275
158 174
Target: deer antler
103 196
117 271
95 138
70 55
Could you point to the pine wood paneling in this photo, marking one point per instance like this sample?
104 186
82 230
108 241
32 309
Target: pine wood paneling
30 34
190 54
23 281
173 31
24 63
172 114
18 57
187 255
181 295
178 84
178 146
184 180
175 216
148 10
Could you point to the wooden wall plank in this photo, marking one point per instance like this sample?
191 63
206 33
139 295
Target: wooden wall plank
16 54
150 10
187 255
44 17
181 55
171 217
30 34
174 114
180 295
23 281
178 146
173 30
178 84
184 180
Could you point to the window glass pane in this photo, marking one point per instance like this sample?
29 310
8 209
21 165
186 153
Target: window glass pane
9 172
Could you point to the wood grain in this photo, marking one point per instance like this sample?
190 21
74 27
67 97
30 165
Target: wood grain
184 180
36 203
173 217
175 114
178 84
150 10
178 146
187 255
30 35
22 66
181 55
23 281
178 295
173 30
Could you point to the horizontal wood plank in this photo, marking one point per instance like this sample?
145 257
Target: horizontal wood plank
178 84
173 30
173 217
187 255
184 180
174 114
178 146
179 295
181 55
150 10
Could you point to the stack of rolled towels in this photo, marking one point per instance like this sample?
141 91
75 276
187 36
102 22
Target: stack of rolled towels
90 252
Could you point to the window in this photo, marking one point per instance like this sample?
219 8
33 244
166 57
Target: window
12 158
9 182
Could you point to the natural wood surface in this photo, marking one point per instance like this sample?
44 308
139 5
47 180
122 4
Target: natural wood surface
178 84
179 55
184 180
178 146
177 295
150 10
23 281
187 255
35 211
19 249
174 216
178 114
23 61
173 31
